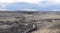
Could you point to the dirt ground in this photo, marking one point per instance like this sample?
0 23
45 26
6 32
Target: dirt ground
51 28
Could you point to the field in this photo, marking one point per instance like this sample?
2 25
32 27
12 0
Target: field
47 22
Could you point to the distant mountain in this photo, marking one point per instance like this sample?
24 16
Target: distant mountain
29 11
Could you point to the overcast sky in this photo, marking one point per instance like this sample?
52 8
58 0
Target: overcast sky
42 5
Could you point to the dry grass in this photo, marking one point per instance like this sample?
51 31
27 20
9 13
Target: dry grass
52 28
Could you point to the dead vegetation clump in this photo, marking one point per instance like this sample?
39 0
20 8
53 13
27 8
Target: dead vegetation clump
17 26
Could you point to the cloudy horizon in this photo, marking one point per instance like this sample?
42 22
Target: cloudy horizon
42 5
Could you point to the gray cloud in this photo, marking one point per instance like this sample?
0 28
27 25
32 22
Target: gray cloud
44 5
